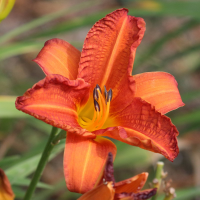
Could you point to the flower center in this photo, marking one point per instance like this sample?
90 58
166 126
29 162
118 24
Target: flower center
101 110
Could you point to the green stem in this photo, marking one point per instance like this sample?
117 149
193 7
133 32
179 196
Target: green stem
41 165
158 178
58 137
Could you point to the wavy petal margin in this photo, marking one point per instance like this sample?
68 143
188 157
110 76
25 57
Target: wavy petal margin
84 161
134 184
139 124
59 57
108 55
6 192
102 192
55 100
159 89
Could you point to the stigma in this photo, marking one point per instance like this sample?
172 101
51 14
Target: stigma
101 103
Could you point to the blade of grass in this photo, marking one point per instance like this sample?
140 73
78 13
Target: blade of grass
19 48
26 182
26 167
156 46
43 20
7 107
24 47
187 118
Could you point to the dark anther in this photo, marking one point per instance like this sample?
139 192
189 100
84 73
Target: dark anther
96 106
109 96
105 92
109 171
95 94
98 87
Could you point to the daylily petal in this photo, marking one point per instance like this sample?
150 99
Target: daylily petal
6 192
139 124
105 192
59 57
55 100
108 55
133 184
159 89
84 160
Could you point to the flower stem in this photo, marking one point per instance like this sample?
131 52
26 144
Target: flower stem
158 178
41 165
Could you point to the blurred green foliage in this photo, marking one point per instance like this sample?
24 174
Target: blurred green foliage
16 44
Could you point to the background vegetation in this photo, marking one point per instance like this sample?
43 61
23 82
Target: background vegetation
171 44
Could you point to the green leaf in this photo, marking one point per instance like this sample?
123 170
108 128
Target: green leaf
26 167
43 20
19 48
7 107
128 155
187 118
24 47
190 95
26 182
8 161
158 44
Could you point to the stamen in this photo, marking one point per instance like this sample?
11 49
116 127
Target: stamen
101 109
98 88
105 92
96 105
95 94
109 96
105 113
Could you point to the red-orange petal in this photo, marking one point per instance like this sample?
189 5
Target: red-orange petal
159 89
55 100
102 192
6 192
108 55
139 124
84 160
133 184
59 57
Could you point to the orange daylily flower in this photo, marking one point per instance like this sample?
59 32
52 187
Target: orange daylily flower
6 192
73 97
128 189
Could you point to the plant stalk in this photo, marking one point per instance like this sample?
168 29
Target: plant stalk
158 178
41 165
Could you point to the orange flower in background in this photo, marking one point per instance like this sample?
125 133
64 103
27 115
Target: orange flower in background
6 192
92 94
128 189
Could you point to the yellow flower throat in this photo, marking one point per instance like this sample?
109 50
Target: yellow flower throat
101 110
